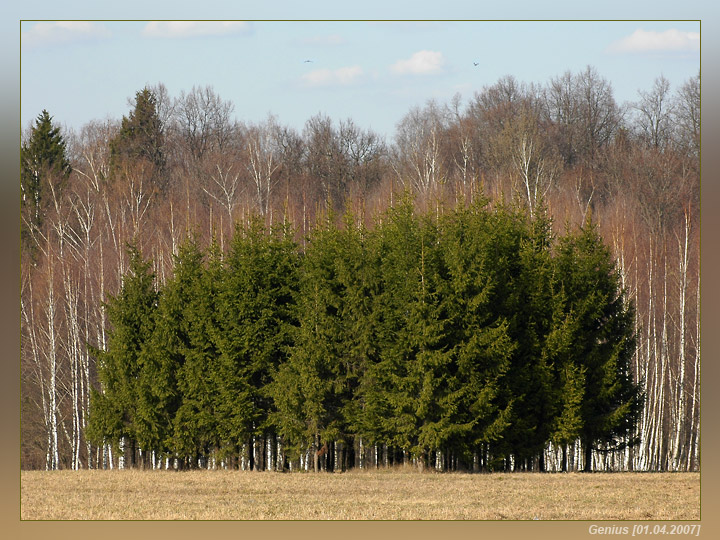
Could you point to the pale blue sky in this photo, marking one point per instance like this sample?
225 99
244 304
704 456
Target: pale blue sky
372 72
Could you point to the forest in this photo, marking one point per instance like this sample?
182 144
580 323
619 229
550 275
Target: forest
510 283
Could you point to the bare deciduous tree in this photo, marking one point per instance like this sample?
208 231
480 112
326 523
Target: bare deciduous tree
655 113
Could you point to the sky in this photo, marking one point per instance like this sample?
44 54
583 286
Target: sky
373 72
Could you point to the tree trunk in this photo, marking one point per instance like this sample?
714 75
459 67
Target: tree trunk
587 448
269 461
316 449
52 390
680 424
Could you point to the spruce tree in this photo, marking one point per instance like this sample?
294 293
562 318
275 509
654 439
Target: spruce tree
406 393
387 415
308 389
196 424
140 141
603 342
535 318
164 377
431 380
114 406
479 334
358 272
44 169
518 248
568 378
256 318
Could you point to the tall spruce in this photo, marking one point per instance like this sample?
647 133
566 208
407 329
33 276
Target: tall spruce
480 336
196 424
358 272
114 416
140 142
603 343
535 319
164 375
257 314
430 379
44 171
388 416
309 389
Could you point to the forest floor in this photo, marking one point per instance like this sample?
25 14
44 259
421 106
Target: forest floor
356 495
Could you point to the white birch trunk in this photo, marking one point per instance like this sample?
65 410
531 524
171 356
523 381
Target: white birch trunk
121 457
269 462
27 310
695 418
280 463
649 411
243 460
52 348
681 424
662 446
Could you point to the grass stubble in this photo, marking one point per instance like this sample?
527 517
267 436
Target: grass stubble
356 495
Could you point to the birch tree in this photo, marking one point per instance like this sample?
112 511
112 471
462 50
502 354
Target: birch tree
263 161
418 149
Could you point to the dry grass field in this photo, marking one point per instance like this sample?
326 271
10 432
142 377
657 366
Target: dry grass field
358 495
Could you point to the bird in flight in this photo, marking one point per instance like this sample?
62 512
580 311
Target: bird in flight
476 63
307 61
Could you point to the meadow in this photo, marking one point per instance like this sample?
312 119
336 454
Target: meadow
356 495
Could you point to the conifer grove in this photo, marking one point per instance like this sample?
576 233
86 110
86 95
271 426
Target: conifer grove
467 341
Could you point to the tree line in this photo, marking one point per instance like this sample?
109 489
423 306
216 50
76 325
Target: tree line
471 341
563 151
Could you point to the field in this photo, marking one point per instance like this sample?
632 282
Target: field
358 495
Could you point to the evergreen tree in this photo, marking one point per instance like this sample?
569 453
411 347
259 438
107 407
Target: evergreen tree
257 315
603 342
431 381
406 393
114 407
568 378
195 426
308 390
386 415
358 272
480 334
534 319
164 376
44 169
139 143
518 248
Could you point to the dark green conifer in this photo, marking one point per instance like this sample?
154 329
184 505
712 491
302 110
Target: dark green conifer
44 169
480 336
140 141
603 342
310 385
114 407
196 424
256 320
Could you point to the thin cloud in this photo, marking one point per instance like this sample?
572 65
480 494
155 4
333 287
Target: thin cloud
184 29
420 63
343 76
44 34
649 41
